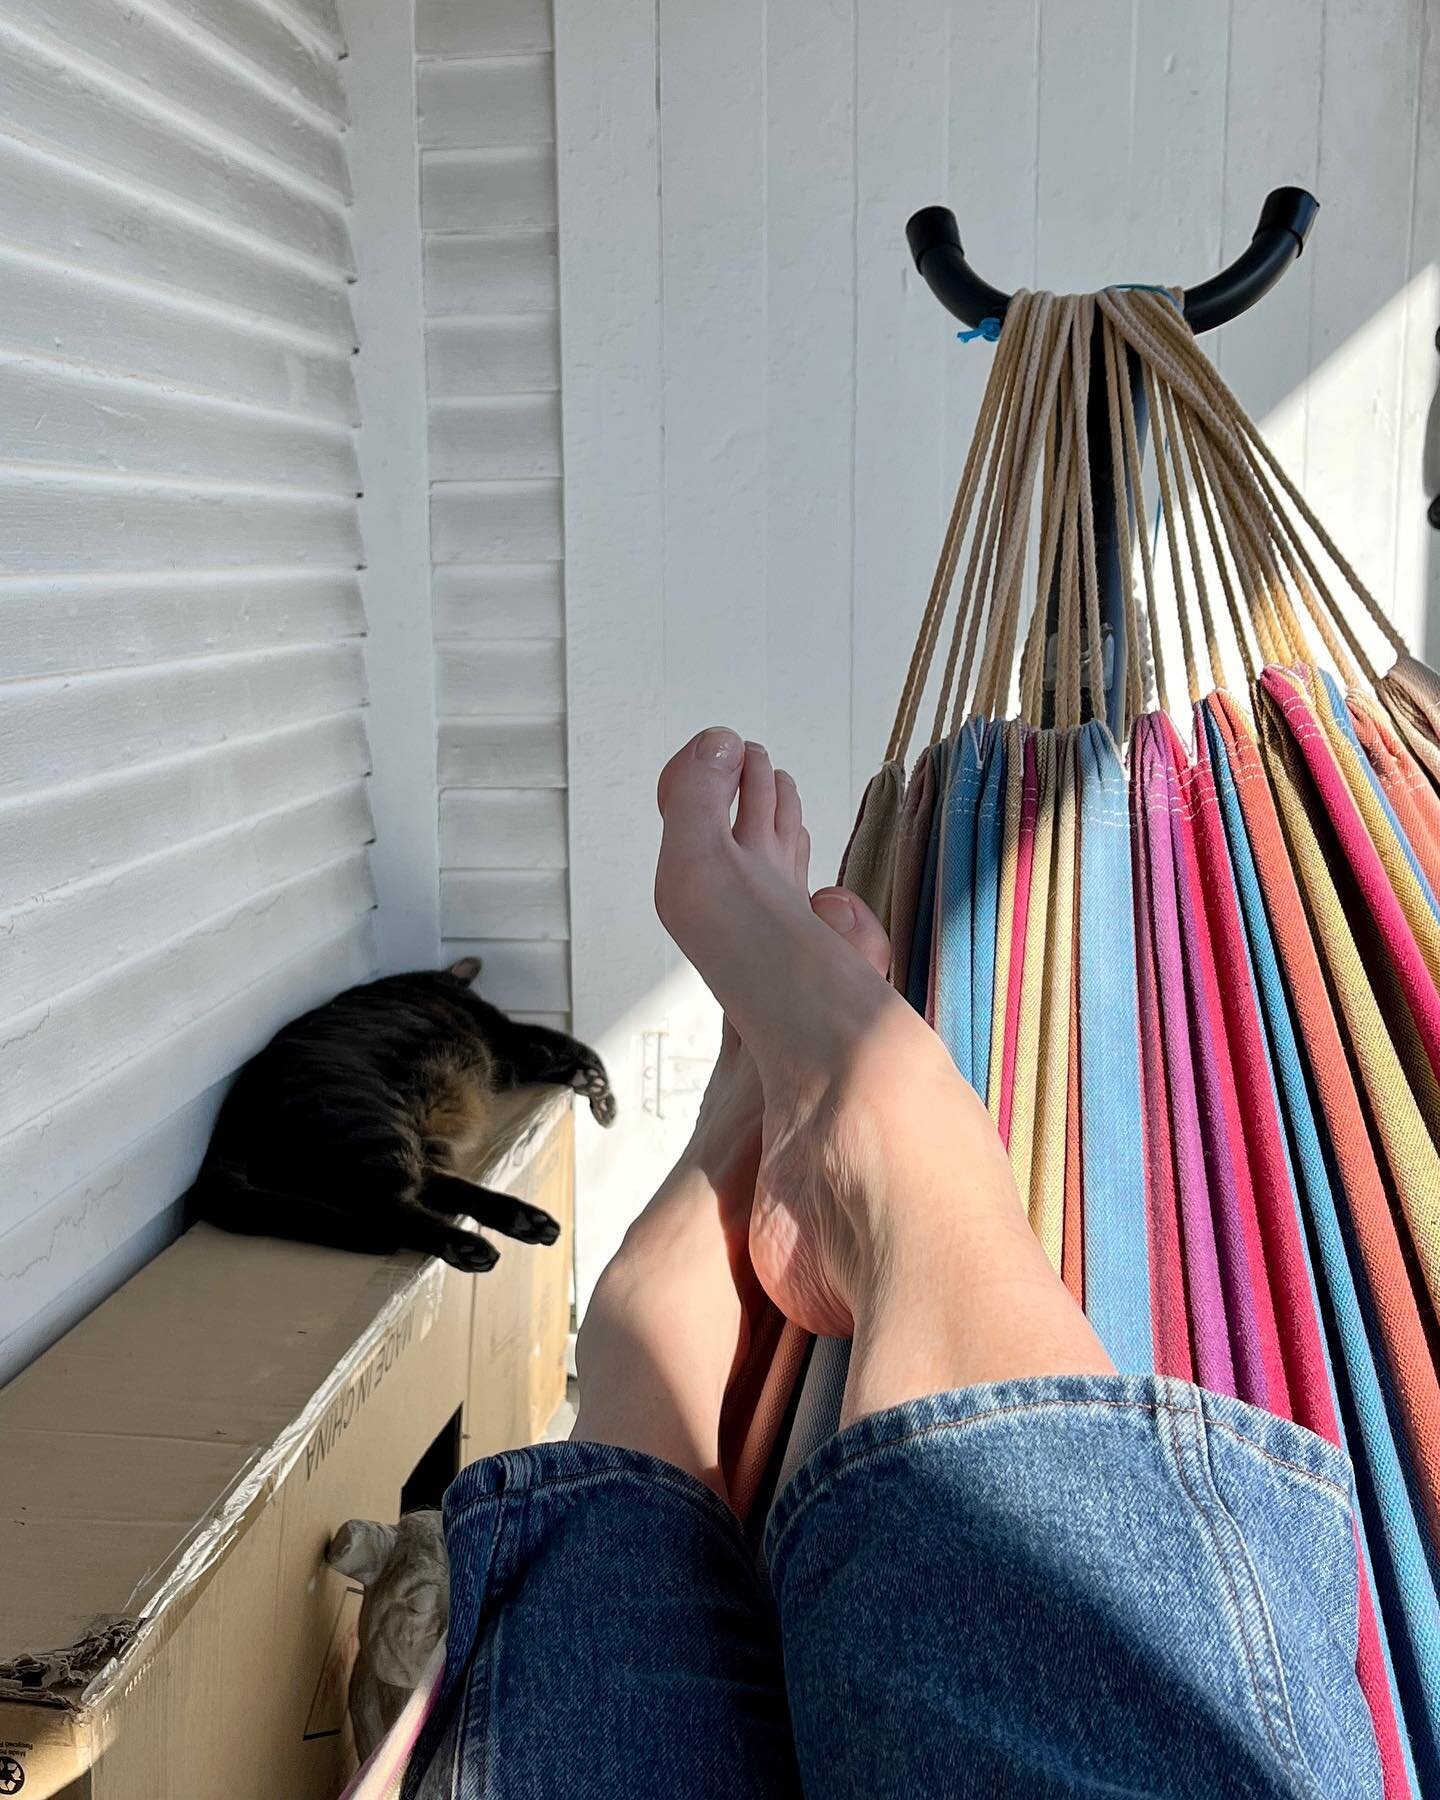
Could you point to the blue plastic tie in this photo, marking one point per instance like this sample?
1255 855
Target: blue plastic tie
989 329
1146 287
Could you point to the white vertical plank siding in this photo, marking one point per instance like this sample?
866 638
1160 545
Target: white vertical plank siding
484 94
1417 442
184 810
992 127
765 412
1271 133
902 123
608 172
1368 162
809 352
715 323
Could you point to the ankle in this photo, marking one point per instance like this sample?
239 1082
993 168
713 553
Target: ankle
976 1304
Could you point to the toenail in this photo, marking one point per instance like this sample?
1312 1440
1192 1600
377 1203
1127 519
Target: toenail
839 911
720 747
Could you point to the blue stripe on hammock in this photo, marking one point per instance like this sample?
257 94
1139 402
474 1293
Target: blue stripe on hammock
1117 1246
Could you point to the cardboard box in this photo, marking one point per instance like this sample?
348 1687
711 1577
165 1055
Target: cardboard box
517 1374
172 1471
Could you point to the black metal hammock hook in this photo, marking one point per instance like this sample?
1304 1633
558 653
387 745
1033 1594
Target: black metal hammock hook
1285 222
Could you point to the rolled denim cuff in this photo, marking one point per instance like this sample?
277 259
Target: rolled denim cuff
582 1467
1148 1405
1064 1584
607 1591
506 1514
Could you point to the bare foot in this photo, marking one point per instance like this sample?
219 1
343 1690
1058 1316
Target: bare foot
884 1202
670 1319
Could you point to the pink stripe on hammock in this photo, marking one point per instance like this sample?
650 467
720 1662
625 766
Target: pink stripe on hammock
382 1772
1363 859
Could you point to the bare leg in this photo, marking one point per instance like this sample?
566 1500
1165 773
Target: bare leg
938 1586
884 1205
670 1319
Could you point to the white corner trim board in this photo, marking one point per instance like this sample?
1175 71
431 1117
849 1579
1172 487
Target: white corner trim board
390 378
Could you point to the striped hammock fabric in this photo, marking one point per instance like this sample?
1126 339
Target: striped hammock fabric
1192 964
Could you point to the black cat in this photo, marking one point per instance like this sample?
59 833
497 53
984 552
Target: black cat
350 1128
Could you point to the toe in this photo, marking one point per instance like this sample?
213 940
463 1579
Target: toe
789 820
802 859
697 787
755 818
849 917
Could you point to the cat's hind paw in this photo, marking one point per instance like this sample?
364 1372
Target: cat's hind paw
471 1253
592 1081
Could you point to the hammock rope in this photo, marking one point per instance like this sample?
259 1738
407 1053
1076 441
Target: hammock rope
1208 454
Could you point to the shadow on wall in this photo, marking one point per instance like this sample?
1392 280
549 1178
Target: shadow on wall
1356 422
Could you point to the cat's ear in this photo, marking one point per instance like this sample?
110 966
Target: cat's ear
466 969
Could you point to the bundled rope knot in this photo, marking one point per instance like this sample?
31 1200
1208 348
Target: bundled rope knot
1232 520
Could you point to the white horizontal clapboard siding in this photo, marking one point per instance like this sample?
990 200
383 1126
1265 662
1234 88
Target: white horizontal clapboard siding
486 122
183 796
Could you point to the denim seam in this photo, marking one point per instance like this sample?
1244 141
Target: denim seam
504 1505
454 1693
999 1412
1342 1494
716 1511
1267 1678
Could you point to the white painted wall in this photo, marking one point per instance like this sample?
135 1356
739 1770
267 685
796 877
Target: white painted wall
183 798
765 410
484 92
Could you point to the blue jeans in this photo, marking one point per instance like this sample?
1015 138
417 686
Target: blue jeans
1080 1585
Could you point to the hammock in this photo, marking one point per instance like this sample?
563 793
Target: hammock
1198 986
